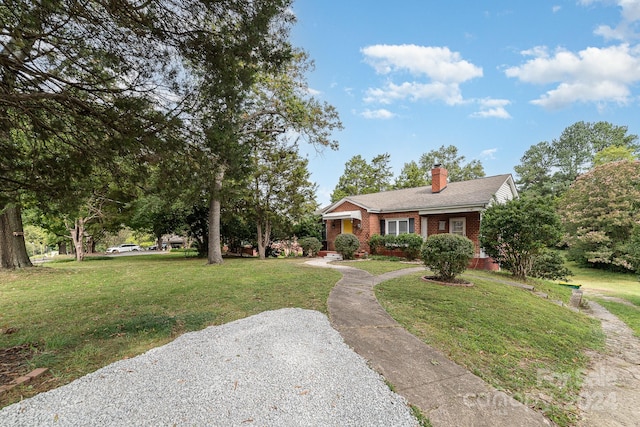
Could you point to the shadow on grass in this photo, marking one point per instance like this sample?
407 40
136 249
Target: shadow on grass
155 324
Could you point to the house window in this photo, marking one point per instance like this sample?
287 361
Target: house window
458 226
399 226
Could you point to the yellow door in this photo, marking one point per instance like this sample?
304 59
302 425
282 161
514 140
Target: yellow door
347 226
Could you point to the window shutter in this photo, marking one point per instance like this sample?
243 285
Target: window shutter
412 226
382 227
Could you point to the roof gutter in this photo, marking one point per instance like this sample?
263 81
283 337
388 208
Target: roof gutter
453 209
342 215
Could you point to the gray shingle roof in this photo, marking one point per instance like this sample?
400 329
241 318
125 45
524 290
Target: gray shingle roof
476 192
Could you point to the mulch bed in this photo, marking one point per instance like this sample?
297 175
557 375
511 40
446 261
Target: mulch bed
456 282
14 362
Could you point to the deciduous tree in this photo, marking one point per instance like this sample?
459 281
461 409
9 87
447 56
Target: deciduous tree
600 212
281 191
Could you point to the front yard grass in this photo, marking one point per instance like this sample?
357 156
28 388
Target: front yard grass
523 344
624 286
377 267
82 316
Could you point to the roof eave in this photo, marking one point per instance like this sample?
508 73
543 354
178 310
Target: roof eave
452 209
335 205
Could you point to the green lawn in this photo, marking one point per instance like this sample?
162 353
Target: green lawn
619 285
623 285
82 316
516 341
377 267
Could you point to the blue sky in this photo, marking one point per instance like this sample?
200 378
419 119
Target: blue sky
490 77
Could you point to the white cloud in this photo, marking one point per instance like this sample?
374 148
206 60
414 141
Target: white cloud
488 154
449 93
313 92
626 30
556 9
591 75
492 108
442 69
378 114
438 63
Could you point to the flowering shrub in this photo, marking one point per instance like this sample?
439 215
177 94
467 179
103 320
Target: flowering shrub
599 213
286 248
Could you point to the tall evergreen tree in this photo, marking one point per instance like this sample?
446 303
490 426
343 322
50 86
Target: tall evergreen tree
550 168
457 167
361 177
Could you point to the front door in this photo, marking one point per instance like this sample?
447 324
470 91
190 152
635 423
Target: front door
347 226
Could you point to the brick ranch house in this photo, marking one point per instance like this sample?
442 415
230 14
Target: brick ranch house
442 207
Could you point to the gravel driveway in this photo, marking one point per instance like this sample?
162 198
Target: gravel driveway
280 368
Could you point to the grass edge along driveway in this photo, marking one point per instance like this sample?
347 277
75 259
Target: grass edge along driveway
518 342
79 317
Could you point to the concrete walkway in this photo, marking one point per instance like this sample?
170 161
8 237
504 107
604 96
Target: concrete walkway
445 392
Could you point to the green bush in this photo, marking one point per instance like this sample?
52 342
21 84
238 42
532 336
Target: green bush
376 244
347 244
410 244
447 255
633 250
310 246
550 265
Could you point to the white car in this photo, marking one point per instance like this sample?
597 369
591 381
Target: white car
126 247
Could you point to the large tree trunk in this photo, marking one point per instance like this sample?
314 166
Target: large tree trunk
263 238
91 245
13 250
214 247
77 237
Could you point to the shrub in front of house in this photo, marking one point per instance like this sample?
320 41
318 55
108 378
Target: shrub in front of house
376 244
310 246
550 265
410 244
346 245
447 255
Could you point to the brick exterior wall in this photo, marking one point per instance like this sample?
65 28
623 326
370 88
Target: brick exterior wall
361 229
472 220
370 225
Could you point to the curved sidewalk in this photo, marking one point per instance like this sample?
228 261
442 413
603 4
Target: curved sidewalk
445 392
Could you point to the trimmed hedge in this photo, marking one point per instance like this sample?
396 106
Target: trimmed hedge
346 245
310 246
447 255
410 244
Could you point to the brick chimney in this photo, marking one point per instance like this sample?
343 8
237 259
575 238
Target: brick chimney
438 178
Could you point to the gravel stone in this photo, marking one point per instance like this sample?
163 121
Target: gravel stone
286 367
